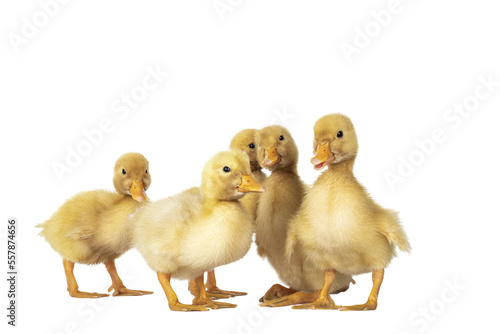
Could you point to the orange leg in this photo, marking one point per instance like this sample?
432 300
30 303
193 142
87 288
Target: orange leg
193 289
117 284
73 286
173 301
276 291
324 302
202 298
215 292
371 304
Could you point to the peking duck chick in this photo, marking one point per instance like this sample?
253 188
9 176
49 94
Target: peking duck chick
91 227
193 232
244 141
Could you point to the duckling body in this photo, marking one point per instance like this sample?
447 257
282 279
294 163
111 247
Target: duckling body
277 207
185 235
342 226
91 227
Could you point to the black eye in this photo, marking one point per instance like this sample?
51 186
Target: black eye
226 169
282 138
146 171
340 134
123 171
252 145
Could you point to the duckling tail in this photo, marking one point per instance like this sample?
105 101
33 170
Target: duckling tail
390 227
42 226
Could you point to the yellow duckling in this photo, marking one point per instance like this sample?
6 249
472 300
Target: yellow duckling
199 229
91 227
278 153
245 141
339 226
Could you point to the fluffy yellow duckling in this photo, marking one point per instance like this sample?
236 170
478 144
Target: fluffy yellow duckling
278 153
91 227
339 226
245 141
185 235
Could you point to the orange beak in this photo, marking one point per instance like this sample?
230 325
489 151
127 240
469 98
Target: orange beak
248 184
137 191
271 157
323 157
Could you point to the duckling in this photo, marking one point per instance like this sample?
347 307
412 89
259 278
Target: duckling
193 232
278 153
339 226
91 227
245 141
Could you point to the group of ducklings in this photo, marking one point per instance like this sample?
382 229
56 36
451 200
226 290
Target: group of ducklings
316 238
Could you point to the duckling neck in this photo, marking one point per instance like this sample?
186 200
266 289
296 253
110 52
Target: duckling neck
211 202
292 169
345 166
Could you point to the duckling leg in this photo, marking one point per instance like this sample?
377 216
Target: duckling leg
173 302
117 284
371 304
73 286
324 301
202 298
276 291
193 289
214 292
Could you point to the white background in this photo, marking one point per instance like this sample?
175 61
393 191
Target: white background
263 62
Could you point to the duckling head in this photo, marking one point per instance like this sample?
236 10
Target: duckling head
335 141
276 148
227 176
132 176
245 141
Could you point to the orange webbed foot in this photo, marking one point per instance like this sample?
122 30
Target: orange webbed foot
123 291
293 299
81 294
216 293
370 305
320 304
276 291
207 301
